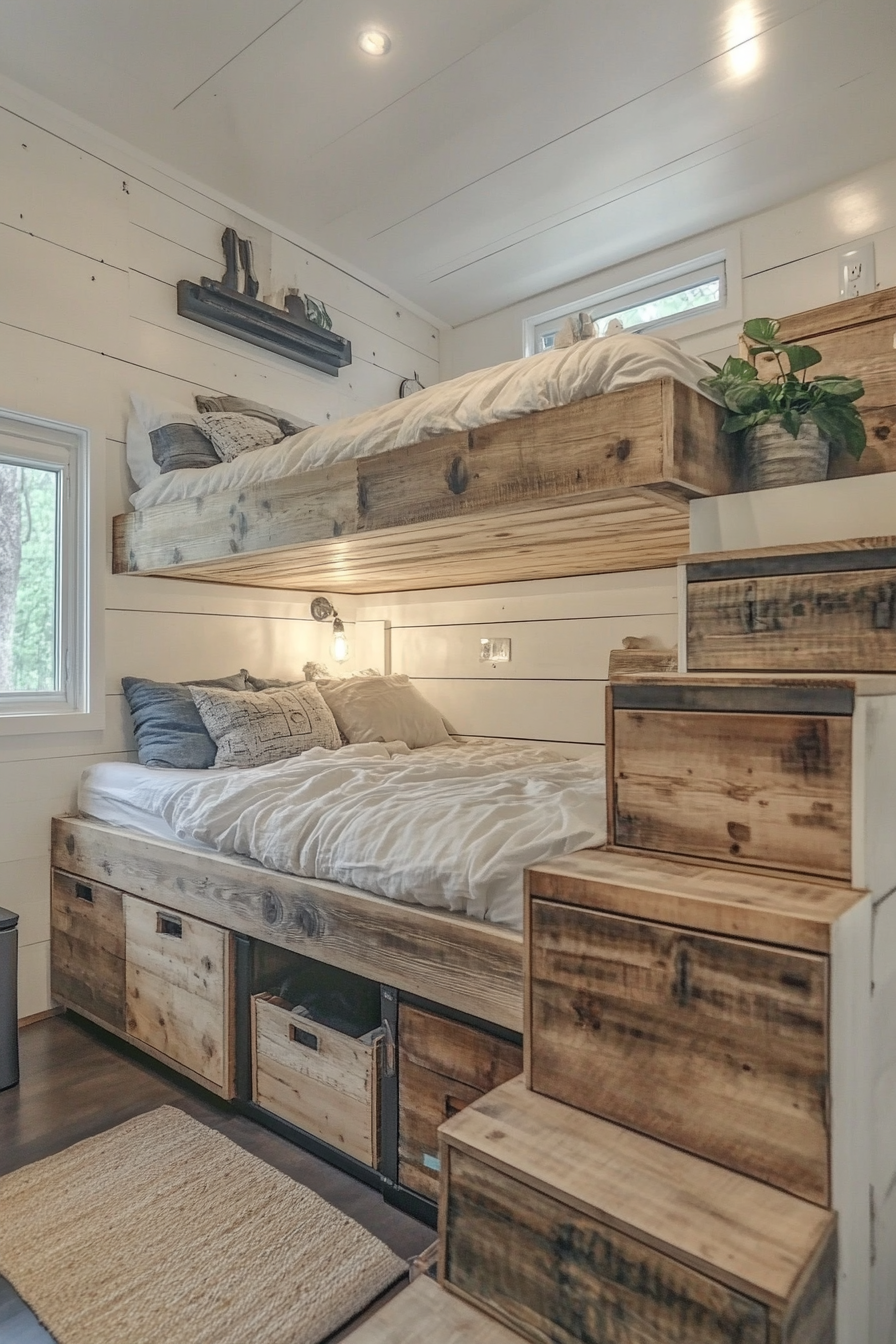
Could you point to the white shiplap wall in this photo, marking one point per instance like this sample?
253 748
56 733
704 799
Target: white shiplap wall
92 241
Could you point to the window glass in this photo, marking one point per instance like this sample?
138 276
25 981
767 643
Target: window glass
650 304
29 565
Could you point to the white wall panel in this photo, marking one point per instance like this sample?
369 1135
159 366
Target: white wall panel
541 711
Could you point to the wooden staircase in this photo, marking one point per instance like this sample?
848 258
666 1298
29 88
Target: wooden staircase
702 1149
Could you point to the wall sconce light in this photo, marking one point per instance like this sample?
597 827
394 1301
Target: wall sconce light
323 610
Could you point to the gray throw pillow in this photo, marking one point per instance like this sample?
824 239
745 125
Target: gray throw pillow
287 424
168 726
260 727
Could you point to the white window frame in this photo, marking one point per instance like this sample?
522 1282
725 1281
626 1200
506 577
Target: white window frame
695 271
78 704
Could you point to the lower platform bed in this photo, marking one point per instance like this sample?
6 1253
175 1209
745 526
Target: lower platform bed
342 1020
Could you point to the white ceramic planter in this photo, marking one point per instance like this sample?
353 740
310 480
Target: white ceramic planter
774 457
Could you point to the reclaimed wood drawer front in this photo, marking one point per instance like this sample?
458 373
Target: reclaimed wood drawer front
443 1066
319 1079
87 948
178 987
555 1274
770 790
716 1045
840 622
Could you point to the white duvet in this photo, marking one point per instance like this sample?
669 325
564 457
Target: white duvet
450 826
554 378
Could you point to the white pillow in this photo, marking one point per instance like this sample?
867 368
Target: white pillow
383 709
141 463
259 727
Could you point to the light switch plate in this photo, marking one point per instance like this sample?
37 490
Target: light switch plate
494 650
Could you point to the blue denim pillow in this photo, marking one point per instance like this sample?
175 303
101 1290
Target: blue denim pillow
167 725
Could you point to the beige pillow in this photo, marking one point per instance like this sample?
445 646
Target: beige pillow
258 727
383 709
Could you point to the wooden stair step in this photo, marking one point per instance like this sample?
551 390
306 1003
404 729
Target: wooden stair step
785 773
571 1228
653 983
425 1314
820 607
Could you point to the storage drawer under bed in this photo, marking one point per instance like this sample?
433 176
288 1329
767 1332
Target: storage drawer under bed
319 1079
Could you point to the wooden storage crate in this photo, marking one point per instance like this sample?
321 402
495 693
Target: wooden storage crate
317 1078
569 1228
179 997
793 774
442 1067
814 608
87 970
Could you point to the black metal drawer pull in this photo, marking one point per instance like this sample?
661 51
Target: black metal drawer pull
170 925
83 892
301 1037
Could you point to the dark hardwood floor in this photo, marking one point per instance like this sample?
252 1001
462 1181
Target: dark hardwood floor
78 1081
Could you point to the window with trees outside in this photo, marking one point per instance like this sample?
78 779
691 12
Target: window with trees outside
645 305
42 568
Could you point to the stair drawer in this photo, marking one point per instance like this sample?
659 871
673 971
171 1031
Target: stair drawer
87 948
442 1067
717 1045
779 773
810 610
317 1078
179 989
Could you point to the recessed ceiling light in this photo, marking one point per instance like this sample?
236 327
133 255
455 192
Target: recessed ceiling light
374 42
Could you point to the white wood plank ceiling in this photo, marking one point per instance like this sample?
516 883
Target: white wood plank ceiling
502 146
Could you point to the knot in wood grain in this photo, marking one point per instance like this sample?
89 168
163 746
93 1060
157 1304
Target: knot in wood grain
623 449
70 844
177 556
309 920
271 908
881 432
458 476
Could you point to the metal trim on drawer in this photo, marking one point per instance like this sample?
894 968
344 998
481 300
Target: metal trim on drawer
736 699
768 566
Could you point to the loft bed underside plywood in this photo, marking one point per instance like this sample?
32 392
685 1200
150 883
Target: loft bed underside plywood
596 486
464 964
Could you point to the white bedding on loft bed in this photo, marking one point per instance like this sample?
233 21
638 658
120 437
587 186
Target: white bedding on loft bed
451 826
554 378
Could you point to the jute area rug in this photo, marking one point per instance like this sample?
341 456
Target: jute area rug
162 1231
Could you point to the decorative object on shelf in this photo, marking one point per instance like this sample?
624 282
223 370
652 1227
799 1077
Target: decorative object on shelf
641 653
323 610
250 279
409 386
789 423
291 333
317 313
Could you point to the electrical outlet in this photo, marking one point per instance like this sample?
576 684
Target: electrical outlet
856 271
494 650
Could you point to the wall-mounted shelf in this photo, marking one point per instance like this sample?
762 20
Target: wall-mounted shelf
227 310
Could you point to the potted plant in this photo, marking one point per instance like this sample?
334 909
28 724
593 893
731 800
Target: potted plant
789 423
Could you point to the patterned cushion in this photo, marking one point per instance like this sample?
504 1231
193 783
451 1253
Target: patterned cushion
167 724
287 424
234 434
258 727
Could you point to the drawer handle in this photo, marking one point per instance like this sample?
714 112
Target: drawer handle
83 892
170 925
301 1037
453 1106
883 611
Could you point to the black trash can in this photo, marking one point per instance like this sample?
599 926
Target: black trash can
9 999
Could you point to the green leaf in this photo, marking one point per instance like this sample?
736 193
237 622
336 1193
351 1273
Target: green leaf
850 389
739 368
734 423
792 421
801 357
842 426
761 329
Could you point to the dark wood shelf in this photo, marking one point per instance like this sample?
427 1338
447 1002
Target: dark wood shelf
214 305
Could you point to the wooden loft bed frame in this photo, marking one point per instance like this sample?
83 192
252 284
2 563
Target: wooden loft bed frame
599 485
464 964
